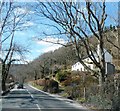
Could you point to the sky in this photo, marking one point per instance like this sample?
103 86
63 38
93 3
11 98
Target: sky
28 37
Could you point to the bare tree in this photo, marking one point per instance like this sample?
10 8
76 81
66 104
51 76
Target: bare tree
76 22
11 21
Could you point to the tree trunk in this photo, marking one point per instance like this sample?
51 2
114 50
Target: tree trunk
3 85
102 81
36 75
4 77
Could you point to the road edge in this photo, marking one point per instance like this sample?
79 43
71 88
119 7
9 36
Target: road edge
76 104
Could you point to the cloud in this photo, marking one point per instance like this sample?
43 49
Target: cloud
21 11
23 60
51 48
48 46
27 24
50 40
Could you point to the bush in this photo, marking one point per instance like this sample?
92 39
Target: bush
73 91
40 82
109 98
51 86
61 76
100 102
66 82
68 90
82 100
76 80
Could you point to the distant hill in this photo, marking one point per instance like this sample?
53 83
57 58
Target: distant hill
64 57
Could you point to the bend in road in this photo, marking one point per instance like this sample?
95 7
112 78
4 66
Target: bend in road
30 99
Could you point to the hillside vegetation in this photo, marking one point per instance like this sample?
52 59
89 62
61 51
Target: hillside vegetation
80 86
64 57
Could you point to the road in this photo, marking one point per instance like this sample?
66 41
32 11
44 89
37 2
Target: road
31 99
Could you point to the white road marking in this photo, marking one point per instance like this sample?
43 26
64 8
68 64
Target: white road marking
58 97
30 94
38 107
33 98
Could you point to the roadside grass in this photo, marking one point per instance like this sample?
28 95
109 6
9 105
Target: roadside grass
61 88
93 99
36 86
64 94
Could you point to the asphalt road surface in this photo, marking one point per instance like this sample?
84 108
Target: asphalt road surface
31 99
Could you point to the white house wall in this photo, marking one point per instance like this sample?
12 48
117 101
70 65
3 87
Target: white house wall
91 66
79 67
87 60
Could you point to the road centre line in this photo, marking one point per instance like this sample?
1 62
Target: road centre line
30 94
38 107
74 103
33 98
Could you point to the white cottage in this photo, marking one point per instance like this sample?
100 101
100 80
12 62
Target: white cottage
79 67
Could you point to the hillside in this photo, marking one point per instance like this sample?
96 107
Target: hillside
64 57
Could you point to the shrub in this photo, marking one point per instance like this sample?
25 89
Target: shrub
61 76
76 80
100 102
73 91
68 90
66 82
51 86
41 82
82 100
